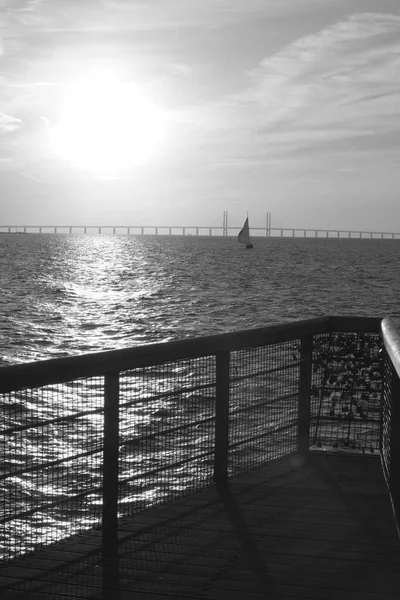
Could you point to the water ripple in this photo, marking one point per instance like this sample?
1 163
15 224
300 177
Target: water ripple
72 294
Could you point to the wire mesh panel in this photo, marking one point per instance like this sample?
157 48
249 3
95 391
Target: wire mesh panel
51 442
264 387
167 432
387 411
346 393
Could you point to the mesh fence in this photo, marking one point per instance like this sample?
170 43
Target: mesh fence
346 395
264 386
51 441
167 432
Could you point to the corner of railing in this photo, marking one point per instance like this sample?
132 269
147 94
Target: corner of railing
391 338
390 444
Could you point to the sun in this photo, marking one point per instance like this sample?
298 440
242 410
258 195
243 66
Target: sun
107 125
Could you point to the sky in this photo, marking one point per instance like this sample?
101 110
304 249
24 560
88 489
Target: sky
169 112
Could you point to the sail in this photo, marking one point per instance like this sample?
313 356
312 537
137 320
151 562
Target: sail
244 235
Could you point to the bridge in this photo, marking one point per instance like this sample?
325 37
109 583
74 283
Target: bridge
213 230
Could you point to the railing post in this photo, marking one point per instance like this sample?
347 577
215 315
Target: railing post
221 417
303 432
110 462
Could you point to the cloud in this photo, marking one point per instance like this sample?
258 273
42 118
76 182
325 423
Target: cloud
25 5
337 84
138 15
9 123
336 88
307 71
31 84
179 69
32 177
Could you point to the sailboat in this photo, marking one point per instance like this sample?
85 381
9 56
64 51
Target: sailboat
244 235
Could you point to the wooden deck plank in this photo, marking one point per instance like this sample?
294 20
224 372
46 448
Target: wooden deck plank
317 529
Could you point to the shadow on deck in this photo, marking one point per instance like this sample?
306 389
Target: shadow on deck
320 527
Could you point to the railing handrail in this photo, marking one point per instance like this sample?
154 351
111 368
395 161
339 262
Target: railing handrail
391 339
60 370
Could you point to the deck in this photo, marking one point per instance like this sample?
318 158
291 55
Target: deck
318 528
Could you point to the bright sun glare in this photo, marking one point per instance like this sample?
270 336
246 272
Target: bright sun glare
106 125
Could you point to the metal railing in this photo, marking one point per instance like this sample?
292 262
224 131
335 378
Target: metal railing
89 439
390 452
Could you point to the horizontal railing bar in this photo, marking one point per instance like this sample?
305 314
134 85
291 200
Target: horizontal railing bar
264 372
166 467
264 403
60 370
62 500
391 339
41 424
353 390
50 464
328 419
167 394
262 435
149 436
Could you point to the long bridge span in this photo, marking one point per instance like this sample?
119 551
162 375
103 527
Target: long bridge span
214 230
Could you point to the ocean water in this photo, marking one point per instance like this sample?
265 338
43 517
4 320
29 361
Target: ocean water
66 295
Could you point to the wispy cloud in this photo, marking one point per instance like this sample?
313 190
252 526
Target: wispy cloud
32 177
9 123
334 61
341 83
95 16
179 69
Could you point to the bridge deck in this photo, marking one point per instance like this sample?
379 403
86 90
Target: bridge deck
320 529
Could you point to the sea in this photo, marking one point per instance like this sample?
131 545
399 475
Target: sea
64 295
